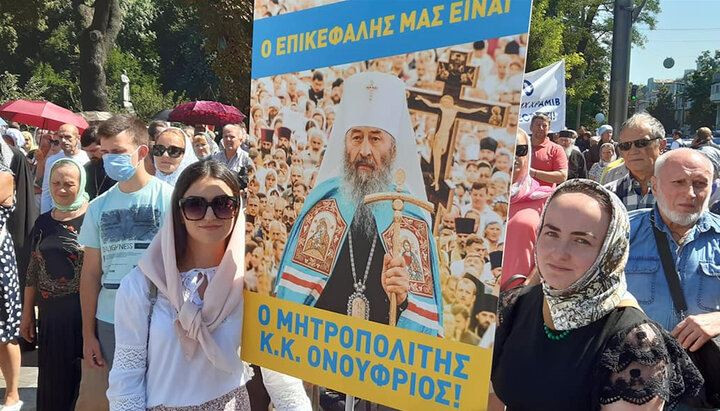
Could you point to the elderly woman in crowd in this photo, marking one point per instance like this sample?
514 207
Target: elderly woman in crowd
527 199
204 146
171 154
189 285
53 278
607 156
580 337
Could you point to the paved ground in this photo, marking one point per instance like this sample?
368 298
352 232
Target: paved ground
28 381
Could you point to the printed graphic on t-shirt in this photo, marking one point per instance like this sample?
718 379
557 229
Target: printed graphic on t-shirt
124 235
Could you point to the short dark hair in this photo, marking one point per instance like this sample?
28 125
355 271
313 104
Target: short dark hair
89 136
512 48
542 116
338 82
318 75
194 172
155 127
485 164
124 122
479 45
478 186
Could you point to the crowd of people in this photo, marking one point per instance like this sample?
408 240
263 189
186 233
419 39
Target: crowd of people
609 256
559 229
102 196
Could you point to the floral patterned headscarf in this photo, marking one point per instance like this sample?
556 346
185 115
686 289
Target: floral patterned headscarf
601 288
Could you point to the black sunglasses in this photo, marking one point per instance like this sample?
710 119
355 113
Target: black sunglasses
194 208
54 142
643 142
174 152
521 150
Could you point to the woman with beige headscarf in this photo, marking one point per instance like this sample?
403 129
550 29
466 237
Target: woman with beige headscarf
190 285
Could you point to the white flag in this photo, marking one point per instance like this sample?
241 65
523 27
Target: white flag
544 92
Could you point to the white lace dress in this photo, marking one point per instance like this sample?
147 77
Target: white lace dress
153 373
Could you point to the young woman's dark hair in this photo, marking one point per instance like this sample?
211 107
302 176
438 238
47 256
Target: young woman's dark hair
194 172
604 202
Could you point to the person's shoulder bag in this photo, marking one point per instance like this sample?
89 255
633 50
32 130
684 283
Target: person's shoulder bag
707 358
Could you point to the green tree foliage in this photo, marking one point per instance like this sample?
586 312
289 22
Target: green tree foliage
145 91
663 109
702 110
161 44
227 28
10 88
580 31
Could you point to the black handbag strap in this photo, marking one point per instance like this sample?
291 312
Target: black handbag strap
668 264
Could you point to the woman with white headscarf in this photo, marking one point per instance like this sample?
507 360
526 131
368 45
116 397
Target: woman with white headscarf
172 153
204 145
607 156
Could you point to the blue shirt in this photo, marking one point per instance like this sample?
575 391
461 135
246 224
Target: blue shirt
697 263
122 225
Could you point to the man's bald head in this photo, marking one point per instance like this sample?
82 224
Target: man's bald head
69 138
69 128
684 156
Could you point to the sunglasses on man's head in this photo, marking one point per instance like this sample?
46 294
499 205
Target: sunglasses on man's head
173 151
54 142
194 208
521 150
641 143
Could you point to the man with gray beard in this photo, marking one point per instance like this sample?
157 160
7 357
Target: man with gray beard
354 270
682 183
576 160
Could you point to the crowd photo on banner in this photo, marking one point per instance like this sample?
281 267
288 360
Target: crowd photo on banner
294 120
438 191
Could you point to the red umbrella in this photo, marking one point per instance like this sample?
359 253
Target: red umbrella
206 112
41 114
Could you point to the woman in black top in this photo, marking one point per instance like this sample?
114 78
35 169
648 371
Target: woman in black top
53 280
576 341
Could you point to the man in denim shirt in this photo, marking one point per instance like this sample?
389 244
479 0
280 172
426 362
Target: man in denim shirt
682 185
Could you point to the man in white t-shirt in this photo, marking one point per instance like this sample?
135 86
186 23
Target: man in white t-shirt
677 140
69 137
119 225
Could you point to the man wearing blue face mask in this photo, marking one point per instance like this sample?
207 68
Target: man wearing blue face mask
118 227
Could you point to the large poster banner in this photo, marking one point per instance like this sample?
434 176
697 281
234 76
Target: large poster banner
382 135
544 92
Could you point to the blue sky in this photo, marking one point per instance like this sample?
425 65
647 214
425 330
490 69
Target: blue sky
685 28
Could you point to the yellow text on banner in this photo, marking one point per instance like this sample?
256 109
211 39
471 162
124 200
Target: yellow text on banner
390 366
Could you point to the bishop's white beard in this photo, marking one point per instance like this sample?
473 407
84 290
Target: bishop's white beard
568 151
677 217
357 185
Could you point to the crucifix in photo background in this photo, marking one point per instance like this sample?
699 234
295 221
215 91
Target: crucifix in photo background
444 113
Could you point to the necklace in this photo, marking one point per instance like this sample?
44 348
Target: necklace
358 304
555 335
97 187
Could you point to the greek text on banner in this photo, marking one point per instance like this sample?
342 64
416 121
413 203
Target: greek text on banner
303 40
391 366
